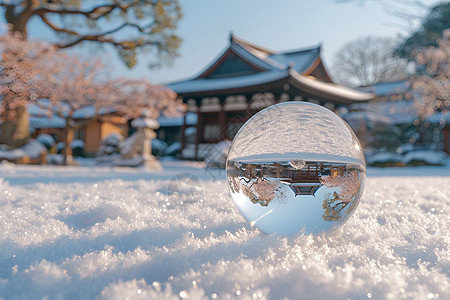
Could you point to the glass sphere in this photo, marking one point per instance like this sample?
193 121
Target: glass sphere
296 167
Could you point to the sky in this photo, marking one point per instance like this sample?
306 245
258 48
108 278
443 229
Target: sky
277 25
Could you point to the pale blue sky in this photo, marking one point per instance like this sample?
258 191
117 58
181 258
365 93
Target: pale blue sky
278 25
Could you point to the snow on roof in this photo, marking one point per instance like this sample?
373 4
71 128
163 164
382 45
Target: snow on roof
301 59
203 84
47 122
277 66
272 62
41 108
256 58
88 112
395 112
366 116
191 119
387 88
331 89
40 117
261 50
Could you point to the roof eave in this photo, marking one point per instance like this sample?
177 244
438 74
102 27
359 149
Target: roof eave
330 91
238 90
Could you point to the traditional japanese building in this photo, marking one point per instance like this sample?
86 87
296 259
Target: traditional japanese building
246 78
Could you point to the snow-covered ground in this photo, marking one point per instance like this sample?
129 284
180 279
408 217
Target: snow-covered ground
114 233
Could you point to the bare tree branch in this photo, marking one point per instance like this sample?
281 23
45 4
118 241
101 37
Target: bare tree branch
56 28
369 60
95 13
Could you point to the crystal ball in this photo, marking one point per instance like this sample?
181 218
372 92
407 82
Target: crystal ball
296 167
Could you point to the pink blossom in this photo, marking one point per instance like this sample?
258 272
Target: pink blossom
348 183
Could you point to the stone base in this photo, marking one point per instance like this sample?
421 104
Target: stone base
152 164
148 162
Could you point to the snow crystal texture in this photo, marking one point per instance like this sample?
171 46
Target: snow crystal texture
106 233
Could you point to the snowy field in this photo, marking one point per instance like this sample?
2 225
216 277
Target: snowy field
106 233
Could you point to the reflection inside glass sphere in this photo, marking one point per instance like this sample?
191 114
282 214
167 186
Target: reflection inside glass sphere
294 195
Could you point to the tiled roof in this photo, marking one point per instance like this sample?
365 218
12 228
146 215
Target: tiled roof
275 65
204 84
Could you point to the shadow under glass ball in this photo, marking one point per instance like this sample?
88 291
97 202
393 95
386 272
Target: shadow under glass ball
296 167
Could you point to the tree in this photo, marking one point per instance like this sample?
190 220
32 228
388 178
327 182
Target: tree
127 25
369 60
431 30
431 86
333 205
68 84
407 12
20 67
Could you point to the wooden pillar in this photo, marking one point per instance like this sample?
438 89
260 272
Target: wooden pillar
446 138
222 119
277 97
199 127
183 134
248 100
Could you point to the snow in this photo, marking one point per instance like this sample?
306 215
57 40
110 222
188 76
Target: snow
256 57
329 88
275 66
77 144
159 146
173 149
191 119
32 149
202 84
387 88
119 233
46 122
45 139
217 154
392 112
428 156
145 123
302 59
382 157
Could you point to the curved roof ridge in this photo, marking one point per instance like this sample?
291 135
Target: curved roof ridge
202 84
238 40
302 50
262 61
211 65
333 90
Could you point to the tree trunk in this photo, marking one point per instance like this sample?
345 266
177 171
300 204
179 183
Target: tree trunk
19 20
16 130
68 138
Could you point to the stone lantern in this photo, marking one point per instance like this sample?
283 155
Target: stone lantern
136 150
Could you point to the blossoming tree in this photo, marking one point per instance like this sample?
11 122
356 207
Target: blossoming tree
131 27
21 81
430 88
32 71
